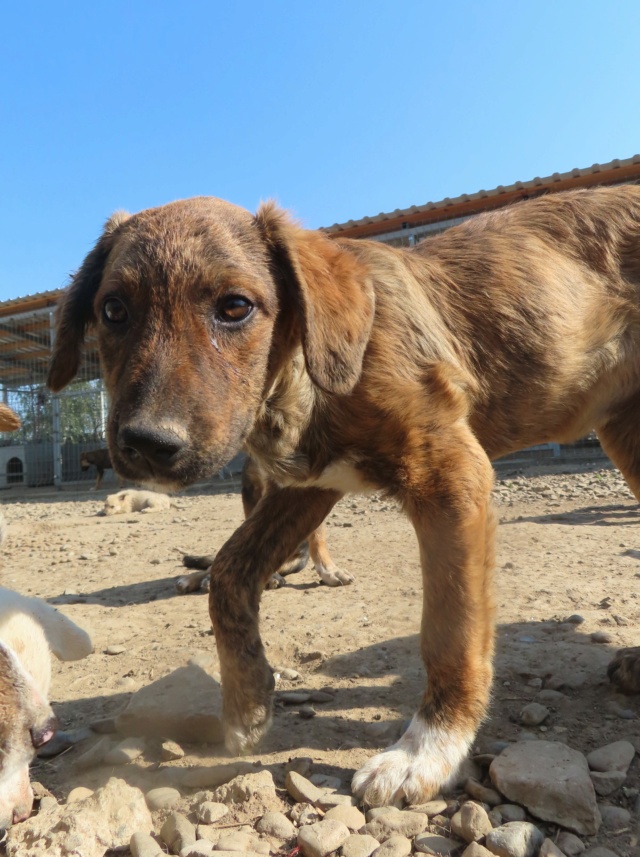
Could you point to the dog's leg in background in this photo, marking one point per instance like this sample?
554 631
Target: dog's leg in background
281 520
328 571
452 515
620 439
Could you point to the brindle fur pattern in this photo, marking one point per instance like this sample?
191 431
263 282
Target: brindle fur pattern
366 366
100 459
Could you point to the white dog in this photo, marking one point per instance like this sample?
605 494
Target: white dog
131 500
29 631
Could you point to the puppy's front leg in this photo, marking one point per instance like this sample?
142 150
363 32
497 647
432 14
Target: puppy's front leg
283 518
449 504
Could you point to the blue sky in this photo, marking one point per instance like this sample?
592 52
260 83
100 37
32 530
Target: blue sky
336 109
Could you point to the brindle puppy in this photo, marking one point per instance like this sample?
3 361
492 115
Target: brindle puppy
344 365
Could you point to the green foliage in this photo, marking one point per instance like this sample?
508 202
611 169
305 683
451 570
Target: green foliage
80 413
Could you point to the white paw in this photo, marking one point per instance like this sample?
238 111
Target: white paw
196 582
415 767
331 575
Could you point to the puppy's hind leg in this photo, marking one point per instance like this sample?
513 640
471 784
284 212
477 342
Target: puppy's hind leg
454 524
328 571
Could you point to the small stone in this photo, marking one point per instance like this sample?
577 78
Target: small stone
482 793
550 849
569 844
511 812
289 674
430 808
307 712
115 650
177 832
256 787
534 714
613 757
144 845
575 619
321 696
331 799
476 850
360 845
208 812
474 821
386 821
276 824
599 851
162 798
210 776
79 793
302 765
614 817
601 637
170 751
301 789
549 695
515 839
323 837
294 697
243 842
433 843
324 781
202 848
48 802
349 815
305 813
607 783
395 846
124 752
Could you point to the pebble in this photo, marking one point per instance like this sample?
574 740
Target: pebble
601 637
349 815
321 696
511 812
144 845
115 650
330 799
208 811
325 781
323 837
305 813
301 789
276 824
242 842
48 802
485 795
433 843
201 848
162 798
395 846
170 751
307 712
177 832
613 757
534 714
569 844
79 793
124 752
614 817
474 821
515 839
608 782
360 845
476 850
575 619
430 808
599 851
386 821
294 697
550 849
289 674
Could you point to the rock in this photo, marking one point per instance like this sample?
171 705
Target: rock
212 776
552 781
430 808
301 789
606 783
277 825
323 837
601 637
185 706
511 812
515 839
614 817
289 674
324 781
208 811
243 842
302 765
330 799
614 757
360 845
569 844
599 851
305 813
114 650
105 820
294 697
48 802
124 752
170 751
202 848
395 846
474 821
349 815
534 714
79 793
386 821
482 793
433 843
550 849
258 788
162 798
548 695
144 845
177 832
476 850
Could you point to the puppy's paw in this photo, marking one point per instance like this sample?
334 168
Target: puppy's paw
196 582
624 670
242 736
276 581
331 575
415 767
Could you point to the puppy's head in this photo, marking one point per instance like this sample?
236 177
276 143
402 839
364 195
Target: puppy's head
197 306
26 723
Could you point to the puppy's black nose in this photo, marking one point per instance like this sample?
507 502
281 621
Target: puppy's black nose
156 444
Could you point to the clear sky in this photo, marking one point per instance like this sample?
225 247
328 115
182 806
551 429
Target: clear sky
336 109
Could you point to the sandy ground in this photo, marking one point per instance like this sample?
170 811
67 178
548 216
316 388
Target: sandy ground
567 544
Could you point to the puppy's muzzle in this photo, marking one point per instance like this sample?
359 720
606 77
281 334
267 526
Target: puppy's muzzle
151 448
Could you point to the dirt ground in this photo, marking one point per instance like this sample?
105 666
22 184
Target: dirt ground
567 544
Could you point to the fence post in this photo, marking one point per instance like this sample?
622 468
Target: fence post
55 422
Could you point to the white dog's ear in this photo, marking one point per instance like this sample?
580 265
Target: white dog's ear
75 310
334 295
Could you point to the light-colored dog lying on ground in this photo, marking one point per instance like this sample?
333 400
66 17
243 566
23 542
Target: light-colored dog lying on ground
131 500
29 631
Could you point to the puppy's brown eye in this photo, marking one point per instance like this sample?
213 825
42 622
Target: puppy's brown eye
234 309
114 311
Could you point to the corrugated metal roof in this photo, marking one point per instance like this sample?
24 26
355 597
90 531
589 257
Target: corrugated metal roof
536 184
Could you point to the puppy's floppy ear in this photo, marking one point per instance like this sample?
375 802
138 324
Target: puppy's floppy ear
334 294
75 310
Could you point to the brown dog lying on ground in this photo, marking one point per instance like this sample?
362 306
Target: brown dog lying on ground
254 485
344 365
100 459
